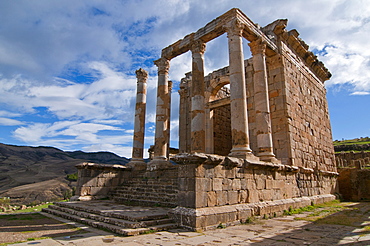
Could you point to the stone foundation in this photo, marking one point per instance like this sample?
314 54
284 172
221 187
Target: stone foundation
217 189
212 217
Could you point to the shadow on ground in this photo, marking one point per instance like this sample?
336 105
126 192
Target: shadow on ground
350 226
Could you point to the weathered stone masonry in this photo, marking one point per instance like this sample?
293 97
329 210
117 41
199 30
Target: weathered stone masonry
257 147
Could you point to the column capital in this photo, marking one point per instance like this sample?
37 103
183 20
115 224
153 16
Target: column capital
163 65
198 46
257 46
234 28
141 74
170 85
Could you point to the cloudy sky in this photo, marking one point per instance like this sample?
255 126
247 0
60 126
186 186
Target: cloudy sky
67 68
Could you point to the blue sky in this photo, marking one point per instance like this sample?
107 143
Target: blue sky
67 68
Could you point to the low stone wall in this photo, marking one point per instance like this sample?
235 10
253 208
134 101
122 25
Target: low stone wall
212 217
217 189
95 181
354 184
123 184
352 159
158 187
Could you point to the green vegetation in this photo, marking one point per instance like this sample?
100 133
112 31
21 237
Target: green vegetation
332 204
365 140
149 231
356 145
72 177
221 226
28 210
4 201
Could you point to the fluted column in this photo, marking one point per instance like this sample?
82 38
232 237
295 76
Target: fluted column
162 111
261 101
137 160
197 98
238 95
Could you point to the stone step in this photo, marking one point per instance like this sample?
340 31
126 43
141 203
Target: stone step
107 212
140 201
144 193
109 220
147 197
114 228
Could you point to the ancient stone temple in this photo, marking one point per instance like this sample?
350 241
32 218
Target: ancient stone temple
255 136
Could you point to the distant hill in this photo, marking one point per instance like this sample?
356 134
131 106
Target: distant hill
24 165
356 144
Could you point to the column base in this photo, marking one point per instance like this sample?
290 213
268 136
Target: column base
243 153
268 157
158 164
137 164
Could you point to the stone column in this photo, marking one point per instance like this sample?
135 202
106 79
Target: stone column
261 102
238 95
197 98
162 117
137 160
168 134
183 116
209 131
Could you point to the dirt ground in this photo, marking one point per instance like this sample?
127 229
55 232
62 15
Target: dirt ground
33 226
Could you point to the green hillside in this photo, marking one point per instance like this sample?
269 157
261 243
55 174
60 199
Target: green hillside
356 144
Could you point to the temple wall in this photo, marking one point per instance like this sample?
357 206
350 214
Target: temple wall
222 130
304 99
230 188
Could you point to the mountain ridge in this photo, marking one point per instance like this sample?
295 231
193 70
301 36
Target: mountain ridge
25 165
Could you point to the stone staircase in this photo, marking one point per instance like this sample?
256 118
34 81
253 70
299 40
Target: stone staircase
147 192
118 218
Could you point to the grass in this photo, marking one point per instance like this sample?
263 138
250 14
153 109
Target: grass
149 231
221 226
332 206
28 210
346 214
365 140
350 142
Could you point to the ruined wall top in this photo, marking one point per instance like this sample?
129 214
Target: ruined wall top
272 35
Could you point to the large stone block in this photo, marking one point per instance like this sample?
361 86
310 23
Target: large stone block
187 171
201 199
230 173
211 199
203 184
243 196
232 197
236 184
227 184
217 184
219 171
221 198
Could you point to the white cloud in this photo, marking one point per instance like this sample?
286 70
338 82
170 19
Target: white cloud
360 93
48 48
10 122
